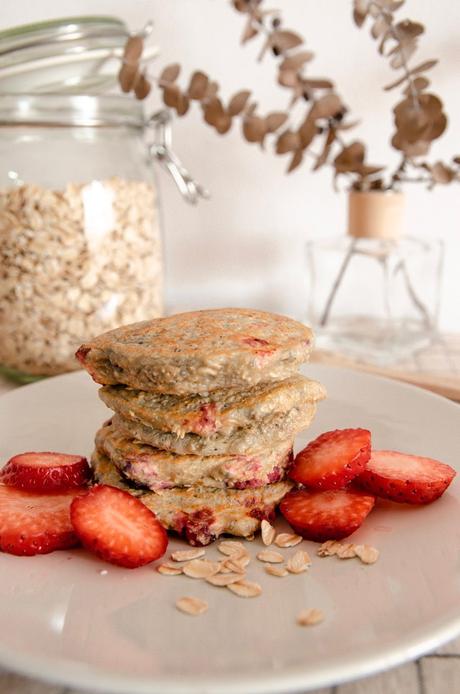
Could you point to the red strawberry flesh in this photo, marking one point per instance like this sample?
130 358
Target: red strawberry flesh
405 478
333 459
326 515
35 523
118 527
45 472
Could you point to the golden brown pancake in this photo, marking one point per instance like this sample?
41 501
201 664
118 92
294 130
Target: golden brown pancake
199 351
201 514
157 470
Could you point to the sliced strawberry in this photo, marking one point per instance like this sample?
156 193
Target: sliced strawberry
333 459
329 515
410 479
35 523
118 527
46 472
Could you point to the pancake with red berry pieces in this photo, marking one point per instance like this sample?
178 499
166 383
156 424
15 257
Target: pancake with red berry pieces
201 514
258 436
157 470
199 351
221 412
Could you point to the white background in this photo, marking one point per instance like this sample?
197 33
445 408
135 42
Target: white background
246 245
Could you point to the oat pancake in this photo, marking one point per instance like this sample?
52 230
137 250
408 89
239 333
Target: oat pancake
157 470
222 411
199 351
201 514
262 434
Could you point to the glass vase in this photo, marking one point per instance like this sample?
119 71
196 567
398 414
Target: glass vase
374 294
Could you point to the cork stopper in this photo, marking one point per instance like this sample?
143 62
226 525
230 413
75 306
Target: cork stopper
376 214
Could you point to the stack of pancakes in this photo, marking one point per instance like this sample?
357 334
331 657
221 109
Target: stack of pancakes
207 405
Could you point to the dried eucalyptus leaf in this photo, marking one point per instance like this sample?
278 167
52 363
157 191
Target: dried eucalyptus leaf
416 149
383 42
437 128
171 95
213 111
133 49
398 82
347 125
224 123
249 32
404 51
238 102
379 27
183 104
318 83
241 5
326 107
350 158
419 84
365 170
142 87
392 5
198 85
322 159
288 78
288 142
170 73
254 129
441 173
360 11
420 118
275 120
408 29
411 120
295 161
283 40
375 9
294 62
127 77
211 90
423 67
307 131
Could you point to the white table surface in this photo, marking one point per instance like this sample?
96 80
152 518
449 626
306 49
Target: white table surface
436 673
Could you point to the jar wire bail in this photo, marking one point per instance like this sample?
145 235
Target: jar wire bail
161 150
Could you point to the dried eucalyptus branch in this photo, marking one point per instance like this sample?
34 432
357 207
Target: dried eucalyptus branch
418 118
323 120
318 132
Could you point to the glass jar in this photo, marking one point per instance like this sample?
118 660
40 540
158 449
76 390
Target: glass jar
80 242
374 294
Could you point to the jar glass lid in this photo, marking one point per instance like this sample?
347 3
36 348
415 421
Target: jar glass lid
55 35
79 55
57 110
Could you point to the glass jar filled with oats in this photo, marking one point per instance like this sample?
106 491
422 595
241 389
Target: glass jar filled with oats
80 241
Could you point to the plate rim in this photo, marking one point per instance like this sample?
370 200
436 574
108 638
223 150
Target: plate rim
291 680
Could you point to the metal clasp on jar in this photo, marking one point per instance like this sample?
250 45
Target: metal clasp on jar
161 150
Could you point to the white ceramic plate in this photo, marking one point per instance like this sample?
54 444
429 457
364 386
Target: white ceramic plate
65 621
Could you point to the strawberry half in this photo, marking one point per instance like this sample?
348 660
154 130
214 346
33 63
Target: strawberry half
118 527
406 478
35 523
46 472
328 515
333 459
